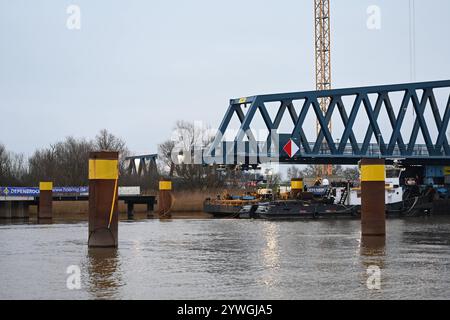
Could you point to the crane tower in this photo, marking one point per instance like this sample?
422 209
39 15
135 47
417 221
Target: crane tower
323 59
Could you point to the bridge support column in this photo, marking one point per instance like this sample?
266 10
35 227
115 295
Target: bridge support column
165 198
45 208
296 187
130 210
150 208
373 207
14 210
103 199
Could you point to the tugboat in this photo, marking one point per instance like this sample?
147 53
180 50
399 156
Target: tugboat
345 202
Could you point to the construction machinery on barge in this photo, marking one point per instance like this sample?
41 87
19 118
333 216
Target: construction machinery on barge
326 201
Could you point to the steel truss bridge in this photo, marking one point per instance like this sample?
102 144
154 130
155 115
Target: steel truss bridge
147 165
345 148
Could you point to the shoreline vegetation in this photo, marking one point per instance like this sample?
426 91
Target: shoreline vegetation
65 163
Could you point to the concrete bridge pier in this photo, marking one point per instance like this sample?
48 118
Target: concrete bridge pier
103 199
373 207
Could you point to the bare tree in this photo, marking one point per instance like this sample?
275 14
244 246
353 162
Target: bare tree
18 169
12 168
106 141
64 163
293 172
165 151
350 173
313 171
4 162
184 147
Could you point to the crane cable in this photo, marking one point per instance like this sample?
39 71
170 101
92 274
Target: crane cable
412 43
412 38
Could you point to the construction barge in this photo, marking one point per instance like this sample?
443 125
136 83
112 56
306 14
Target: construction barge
327 202
228 206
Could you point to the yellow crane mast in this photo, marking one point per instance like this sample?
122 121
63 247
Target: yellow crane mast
323 59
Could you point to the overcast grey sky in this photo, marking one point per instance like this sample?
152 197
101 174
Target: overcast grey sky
135 67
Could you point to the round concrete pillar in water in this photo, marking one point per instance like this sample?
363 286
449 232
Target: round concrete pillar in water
45 208
103 199
373 207
165 198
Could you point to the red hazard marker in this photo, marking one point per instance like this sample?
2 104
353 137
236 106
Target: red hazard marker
291 148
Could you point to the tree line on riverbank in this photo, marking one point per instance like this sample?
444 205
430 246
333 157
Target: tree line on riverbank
66 163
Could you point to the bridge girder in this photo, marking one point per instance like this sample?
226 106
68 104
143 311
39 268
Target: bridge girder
147 165
347 150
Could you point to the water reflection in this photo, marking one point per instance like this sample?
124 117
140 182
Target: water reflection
104 274
373 245
216 259
271 254
373 251
432 237
44 221
9 221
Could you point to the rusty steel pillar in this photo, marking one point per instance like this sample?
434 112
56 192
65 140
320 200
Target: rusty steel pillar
296 187
45 207
103 199
373 207
372 244
165 198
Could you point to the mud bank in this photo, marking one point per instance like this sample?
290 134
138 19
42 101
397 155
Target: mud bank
192 201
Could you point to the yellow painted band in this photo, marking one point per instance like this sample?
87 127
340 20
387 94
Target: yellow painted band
242 100
297 185
100 169
446 171
46 186
165 185
374 172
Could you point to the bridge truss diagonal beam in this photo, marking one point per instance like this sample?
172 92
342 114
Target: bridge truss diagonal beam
415 97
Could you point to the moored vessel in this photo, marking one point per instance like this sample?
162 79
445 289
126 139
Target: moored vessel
229 206
344 202
322 201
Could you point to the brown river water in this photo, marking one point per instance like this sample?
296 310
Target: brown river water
228 259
